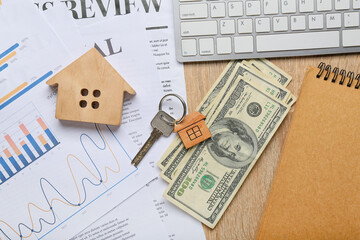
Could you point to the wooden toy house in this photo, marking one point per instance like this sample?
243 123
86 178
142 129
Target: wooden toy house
90 90
193 130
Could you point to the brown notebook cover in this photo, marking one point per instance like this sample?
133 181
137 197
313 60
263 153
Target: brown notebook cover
316 189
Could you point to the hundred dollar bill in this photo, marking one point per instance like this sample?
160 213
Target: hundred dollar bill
291 100
272 70
173 154
170 152
259 73
204 107
215 169
265 83
176 156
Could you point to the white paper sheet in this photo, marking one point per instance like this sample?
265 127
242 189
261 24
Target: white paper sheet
51 188
65 28
121 41
160 30
89 11
172 80
175 220
158 219
157 20
136 65
18 44
147 216
135 218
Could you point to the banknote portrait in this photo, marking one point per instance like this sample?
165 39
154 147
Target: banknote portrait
233 143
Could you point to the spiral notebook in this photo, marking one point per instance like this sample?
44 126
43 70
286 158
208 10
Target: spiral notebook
316 189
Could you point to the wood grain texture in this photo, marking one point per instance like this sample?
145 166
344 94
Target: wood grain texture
241 220
90 90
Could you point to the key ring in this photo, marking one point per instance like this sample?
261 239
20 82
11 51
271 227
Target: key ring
183 103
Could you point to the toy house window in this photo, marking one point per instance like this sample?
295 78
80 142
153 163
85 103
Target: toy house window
96 93
95 104
83 104
194 133
84 92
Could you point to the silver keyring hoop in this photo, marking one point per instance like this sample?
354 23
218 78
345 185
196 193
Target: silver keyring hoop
182 102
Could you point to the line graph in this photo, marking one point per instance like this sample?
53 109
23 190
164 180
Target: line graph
81 203
98 161
64 175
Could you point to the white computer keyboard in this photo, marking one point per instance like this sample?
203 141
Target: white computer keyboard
208 30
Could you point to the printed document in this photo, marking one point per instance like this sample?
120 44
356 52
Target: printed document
54 174
145 215
157 19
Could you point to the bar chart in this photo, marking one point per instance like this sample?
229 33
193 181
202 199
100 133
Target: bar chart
6 55
27 139
11 88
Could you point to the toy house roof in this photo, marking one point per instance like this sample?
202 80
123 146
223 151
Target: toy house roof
90 68
189 120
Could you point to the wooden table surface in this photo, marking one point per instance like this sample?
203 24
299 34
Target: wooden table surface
242 218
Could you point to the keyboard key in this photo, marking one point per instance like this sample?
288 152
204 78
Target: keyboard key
253 8
206 46
262 24
298 41
188 47
189 11
342 4
201 28
333 20
351 19
217 10
306 5
316 21
298 23
223 45
235 9
227 26
245 26
351 38
324 5
231 29
288 6
356 4
280 24
243 44
271 7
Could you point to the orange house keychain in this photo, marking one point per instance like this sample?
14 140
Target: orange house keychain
191 128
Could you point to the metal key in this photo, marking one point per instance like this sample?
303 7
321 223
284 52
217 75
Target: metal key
162 126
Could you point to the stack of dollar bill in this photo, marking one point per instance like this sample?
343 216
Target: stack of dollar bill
243 110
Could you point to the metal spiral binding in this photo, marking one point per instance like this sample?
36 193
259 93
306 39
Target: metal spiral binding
336 71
